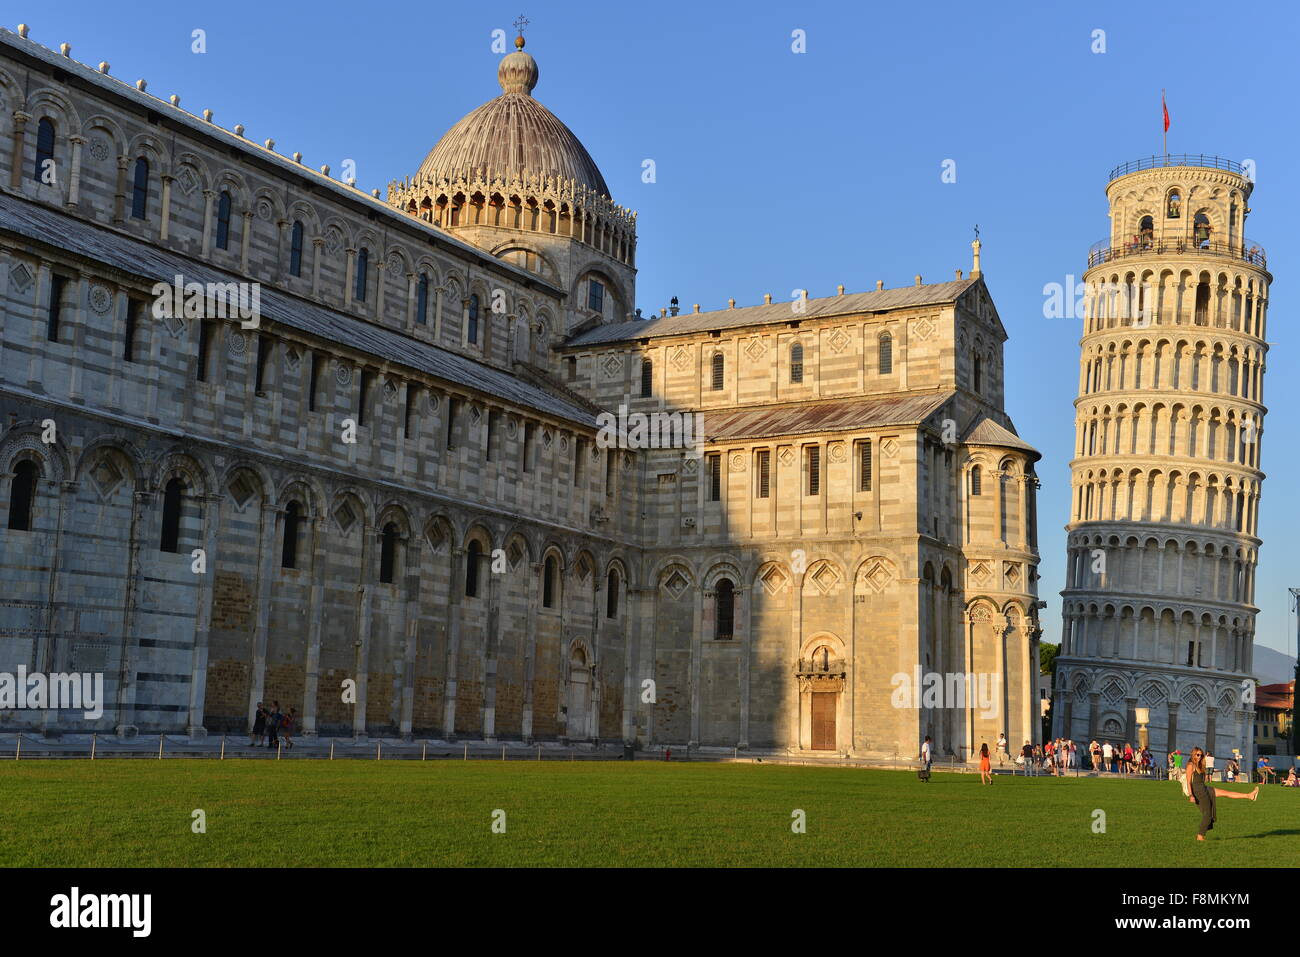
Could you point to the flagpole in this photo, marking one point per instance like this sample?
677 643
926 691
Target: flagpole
1164 126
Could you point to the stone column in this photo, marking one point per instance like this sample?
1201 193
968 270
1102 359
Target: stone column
349 279
16 156
207 223
533 572
365 601
411 645
1094 714
74 178
47 658
317 245
268 549
245 241
1211 728
1171 736
311 681
119 196
164 216
1130 720
203 618
457 576
742 635
141 528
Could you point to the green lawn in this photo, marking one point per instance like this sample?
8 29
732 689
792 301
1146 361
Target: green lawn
355 813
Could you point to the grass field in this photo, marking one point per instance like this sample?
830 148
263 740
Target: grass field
406 813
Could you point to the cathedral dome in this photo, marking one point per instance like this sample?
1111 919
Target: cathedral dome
511 134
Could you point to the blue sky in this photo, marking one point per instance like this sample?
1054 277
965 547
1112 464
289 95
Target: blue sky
778 170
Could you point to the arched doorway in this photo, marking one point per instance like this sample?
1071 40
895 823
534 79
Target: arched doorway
579 696
821 676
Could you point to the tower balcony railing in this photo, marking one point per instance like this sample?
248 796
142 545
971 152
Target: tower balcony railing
1245 250
1164 160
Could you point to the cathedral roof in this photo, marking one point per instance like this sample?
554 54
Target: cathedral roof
875 301
513 135
136 258
756 423
985 431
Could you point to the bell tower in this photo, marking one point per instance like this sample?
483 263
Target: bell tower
1158 608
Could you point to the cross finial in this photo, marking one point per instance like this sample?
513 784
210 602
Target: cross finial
520 23
977 230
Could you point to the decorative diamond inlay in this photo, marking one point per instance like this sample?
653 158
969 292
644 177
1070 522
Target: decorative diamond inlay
242 491
774 579
292 357
390 391
1012 572
1193 698
676 584
839 341
824 577
922 329
889 447
1113 692
612 366
980 572
345 517
877 576
681 358
187 181
1153 695
755 350
786 456
106 477
20 277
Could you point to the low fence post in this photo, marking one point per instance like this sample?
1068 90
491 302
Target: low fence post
379 750
539 752
424 752
160 746
93 739
18 750
223 748
503 752
279 747
331 750
466 756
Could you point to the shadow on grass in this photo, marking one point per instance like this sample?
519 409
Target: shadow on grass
1289 832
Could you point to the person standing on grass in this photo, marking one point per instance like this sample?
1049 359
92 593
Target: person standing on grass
259 727
1107 755
1074 755
1027 752
986 771
1094 751
1204 795
273 725
1002 748
927 754
286 726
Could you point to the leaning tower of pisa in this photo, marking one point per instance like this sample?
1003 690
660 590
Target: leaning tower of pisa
1158 606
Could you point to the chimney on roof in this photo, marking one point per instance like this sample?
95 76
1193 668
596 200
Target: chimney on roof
731 304
103 67
239 130
141 84
767 298
840 289
663 311
297 156
880 284
958 273
975 268
270 144
22 30
918 279
207 115
65 49
697 307
176 100
673 307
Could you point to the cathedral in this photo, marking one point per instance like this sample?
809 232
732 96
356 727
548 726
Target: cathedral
268 436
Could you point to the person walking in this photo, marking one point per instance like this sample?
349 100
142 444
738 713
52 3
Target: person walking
927 757
1200 792
986 772
259 727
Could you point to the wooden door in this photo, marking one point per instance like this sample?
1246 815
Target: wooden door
823 721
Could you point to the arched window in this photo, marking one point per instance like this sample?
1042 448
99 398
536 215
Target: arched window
611 594
977 367
295 249
548 582
647 378
1146 230
718 369
171 516
44 149
471 329
885 354
363 272
140 195
472 556
796 362
976 477
1174 205
223 221
22 496
292 530
422 299
724 597
388 556
1201 230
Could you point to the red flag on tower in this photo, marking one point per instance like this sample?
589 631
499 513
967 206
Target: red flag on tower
1165 108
